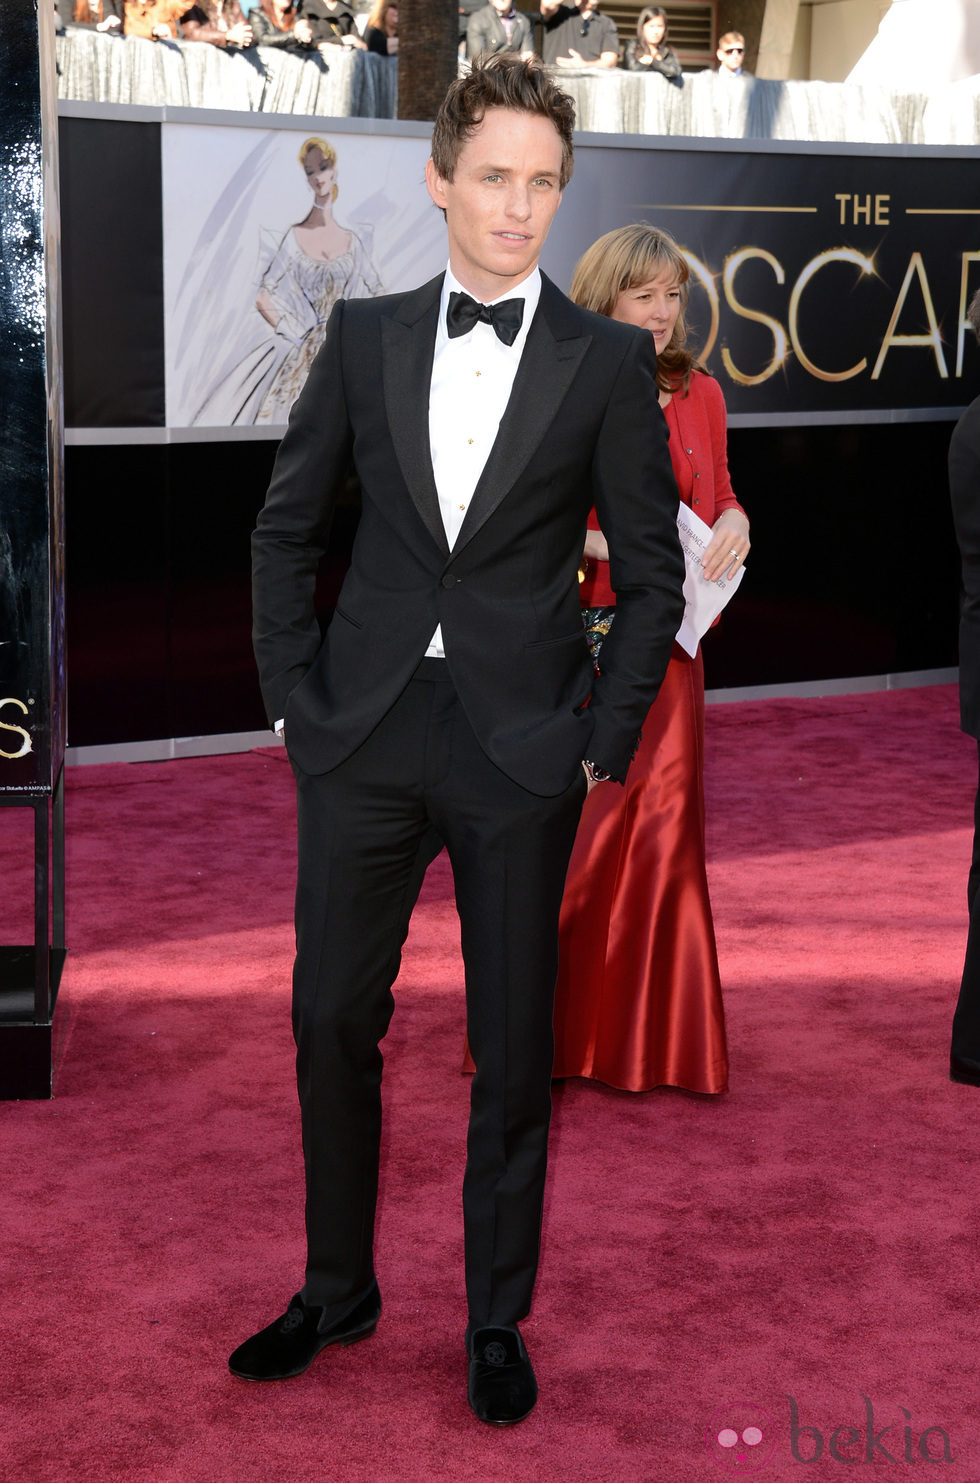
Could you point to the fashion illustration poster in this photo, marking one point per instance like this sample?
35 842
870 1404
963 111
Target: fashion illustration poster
264 232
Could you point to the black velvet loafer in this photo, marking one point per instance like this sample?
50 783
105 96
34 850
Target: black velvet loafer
291 1344
960 1069
502 1387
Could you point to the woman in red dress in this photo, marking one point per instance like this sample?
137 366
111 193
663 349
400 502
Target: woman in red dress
639 996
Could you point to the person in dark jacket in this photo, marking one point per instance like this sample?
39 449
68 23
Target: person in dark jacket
381 32
964 489
648 50
220 22
273 23
328 23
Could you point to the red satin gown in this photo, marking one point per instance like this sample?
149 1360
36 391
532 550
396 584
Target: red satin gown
638 1001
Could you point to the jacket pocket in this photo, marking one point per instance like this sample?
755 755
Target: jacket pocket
578 637
354 622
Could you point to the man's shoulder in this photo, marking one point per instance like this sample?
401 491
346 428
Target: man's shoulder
393 305
610 339
966 433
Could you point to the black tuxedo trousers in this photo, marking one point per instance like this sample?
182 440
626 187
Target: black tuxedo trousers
366 830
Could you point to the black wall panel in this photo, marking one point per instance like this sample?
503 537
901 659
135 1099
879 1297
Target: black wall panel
112 273
853 572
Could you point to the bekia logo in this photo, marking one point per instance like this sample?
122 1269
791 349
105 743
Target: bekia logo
742 1438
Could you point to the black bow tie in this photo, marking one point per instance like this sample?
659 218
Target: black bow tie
463 313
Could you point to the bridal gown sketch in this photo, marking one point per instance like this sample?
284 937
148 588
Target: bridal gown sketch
317 262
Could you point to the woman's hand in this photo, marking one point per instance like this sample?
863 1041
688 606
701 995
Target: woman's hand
596 547
729 545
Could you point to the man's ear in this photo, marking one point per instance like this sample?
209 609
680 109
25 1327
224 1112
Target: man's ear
435 184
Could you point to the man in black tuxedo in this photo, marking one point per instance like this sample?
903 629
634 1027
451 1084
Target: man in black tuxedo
964 488
453 699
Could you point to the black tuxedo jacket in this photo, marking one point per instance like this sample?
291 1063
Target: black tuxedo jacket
582 426
964 488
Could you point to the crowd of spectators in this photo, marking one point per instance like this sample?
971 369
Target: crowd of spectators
297 25
574 33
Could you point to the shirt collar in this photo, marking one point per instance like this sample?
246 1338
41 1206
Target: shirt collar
529 290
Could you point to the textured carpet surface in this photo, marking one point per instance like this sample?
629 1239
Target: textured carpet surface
799 1255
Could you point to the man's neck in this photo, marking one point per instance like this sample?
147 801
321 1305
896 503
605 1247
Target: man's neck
491 289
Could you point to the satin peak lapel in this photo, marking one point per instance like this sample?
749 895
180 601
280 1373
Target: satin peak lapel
408 340
548 366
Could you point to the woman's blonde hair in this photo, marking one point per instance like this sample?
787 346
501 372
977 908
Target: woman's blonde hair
328 152
624 259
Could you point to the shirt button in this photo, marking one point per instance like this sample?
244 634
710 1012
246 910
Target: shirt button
697 476
696 500
688 451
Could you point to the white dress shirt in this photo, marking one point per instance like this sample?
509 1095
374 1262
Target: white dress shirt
472 379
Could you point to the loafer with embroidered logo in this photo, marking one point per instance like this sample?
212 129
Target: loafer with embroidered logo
502 1387
290 1345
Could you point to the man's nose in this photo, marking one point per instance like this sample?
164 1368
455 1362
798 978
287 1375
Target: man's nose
519 203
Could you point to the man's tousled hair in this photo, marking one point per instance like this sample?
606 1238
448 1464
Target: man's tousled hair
503 81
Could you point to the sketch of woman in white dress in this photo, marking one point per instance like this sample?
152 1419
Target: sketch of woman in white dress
316 263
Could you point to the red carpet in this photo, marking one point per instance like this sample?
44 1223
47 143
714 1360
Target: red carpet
813 1234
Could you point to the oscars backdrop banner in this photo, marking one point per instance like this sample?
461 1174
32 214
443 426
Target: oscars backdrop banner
828 284
31 538
824 287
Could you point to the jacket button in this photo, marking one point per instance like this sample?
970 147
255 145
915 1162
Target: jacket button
449 580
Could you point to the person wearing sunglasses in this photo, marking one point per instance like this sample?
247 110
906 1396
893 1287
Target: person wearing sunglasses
578 35
731 50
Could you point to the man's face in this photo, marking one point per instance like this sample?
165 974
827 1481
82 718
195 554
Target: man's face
730 55
501 6
502 200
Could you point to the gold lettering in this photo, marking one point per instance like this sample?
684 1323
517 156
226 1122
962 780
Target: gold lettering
780 344
702 273
964 327
838 255
861 209
916 269
25 745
